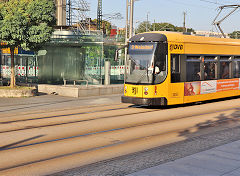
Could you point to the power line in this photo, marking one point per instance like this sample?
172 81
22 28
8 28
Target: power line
211 2
187 4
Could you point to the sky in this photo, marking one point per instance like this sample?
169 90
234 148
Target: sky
200 13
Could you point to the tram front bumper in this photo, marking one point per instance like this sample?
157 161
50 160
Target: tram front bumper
162 101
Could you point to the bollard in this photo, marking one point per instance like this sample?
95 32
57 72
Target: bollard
107 72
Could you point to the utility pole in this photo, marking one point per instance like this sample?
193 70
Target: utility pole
126 27
184 22
154 27
126 38
131 18
99 15
147 22
69 13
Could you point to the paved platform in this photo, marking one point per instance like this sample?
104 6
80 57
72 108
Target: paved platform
220 161
81 91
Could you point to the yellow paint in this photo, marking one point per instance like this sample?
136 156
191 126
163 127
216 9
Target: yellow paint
176 93
7 51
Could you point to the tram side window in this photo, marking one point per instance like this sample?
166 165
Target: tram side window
210 65
160 60
193 68
224 67
236 67
175 68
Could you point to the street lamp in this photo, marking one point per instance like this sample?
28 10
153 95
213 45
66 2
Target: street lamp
135 26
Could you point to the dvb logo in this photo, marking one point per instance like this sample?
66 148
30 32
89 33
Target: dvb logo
176 47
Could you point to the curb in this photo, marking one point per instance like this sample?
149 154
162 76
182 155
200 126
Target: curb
81 91
18 92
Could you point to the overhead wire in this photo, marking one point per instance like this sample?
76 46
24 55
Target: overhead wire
217 3
188 4
211 2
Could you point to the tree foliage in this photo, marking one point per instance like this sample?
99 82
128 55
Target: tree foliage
147 26
106 26
235 35
27 24
143 27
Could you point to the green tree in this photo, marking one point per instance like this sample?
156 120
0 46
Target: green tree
159 27
106 26
27 24
235 35
164 27
143 27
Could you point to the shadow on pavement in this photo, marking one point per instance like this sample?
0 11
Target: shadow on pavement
19 142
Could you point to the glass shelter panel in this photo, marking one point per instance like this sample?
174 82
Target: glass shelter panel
61 63
68 57
26 69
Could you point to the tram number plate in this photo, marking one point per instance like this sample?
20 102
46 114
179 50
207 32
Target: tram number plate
134 90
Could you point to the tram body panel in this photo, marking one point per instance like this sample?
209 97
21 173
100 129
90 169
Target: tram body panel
133 90
176 93
176 87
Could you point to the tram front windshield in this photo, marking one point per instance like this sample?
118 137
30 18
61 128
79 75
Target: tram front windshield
142 63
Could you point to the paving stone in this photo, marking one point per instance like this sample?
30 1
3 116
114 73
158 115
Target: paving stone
219 161
233 173
176 169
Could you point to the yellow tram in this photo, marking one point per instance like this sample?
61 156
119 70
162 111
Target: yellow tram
167 68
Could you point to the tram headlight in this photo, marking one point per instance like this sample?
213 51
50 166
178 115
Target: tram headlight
125 89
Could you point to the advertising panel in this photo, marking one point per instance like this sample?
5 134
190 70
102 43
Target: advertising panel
208 87
192 88
228 84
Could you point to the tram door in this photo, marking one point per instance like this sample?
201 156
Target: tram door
176 89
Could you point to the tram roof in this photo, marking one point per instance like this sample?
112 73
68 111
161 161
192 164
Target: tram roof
179 37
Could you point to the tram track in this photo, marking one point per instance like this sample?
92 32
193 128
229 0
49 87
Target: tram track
169 136
111 133
45 101
4 128
219 121
56 111
96 115
22 119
